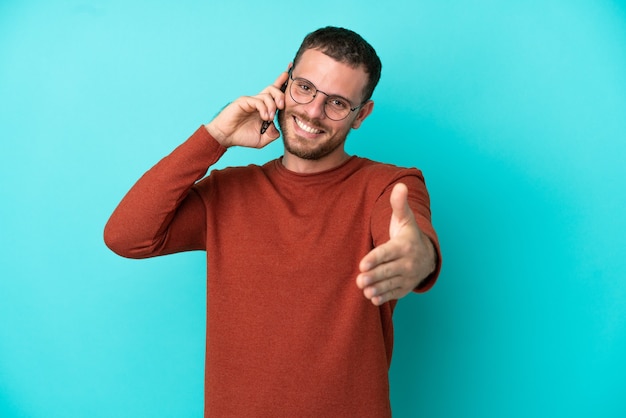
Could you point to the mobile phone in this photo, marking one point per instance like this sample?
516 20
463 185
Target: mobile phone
284 86
266 123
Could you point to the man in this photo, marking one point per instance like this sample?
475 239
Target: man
306 255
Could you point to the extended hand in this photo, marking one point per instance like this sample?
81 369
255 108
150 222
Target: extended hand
394 269
240 122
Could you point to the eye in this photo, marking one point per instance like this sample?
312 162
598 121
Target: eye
304 87
338 103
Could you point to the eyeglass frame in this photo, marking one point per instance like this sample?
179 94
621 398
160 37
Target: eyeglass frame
352 109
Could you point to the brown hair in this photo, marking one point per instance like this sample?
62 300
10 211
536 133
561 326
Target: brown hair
347 47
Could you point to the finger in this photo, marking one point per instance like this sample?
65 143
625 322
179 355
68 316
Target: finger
263 104
400 203
381 272
271 133
380 287
271 103
384 253
386 297
385 291
373 259
277 89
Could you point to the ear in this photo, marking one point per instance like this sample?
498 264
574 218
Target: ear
363 112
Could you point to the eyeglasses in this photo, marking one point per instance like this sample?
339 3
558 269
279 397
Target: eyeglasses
336 108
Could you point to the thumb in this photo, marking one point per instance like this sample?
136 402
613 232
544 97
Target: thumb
272 132
401 212
269 135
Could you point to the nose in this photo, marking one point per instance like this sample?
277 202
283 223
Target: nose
315 109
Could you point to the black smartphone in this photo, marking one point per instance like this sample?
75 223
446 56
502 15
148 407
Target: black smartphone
284 86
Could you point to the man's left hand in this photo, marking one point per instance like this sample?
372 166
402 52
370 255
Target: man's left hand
394 269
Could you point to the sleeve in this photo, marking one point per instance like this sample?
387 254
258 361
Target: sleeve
163 213
419 201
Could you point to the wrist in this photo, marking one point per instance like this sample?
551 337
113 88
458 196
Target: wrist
217 134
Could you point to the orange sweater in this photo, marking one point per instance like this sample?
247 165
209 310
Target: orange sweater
289 334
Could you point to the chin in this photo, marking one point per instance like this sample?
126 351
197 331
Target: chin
306 149
294 148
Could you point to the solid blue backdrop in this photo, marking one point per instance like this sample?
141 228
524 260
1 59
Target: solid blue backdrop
516 113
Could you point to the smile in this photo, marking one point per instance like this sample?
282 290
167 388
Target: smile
307 128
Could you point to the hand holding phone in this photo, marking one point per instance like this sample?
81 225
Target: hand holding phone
266 124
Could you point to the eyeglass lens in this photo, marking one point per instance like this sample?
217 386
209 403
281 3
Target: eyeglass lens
303 91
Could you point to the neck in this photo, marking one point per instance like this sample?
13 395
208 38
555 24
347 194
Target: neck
305 166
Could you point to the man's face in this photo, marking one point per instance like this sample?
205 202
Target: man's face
307 132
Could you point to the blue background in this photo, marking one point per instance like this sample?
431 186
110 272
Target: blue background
515 111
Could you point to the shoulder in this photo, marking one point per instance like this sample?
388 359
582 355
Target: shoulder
385 173
237 173
232 177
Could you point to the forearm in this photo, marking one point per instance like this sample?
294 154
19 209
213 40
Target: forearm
159 215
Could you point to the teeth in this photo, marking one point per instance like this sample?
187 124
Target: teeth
306 127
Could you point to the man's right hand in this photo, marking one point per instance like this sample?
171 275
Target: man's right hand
240 122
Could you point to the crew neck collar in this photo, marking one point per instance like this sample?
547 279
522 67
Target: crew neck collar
346 166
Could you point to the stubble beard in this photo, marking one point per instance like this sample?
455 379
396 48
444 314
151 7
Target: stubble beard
299 148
